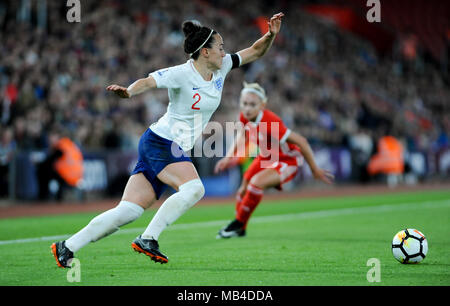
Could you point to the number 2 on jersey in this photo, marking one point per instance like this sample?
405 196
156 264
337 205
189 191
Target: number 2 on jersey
199 98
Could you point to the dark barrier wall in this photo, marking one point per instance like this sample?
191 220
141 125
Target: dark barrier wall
107 172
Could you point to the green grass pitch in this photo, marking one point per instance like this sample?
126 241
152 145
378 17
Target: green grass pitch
290 242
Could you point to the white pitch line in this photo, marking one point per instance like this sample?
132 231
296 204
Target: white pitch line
265 219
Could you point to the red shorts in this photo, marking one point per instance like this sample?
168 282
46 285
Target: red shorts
287 168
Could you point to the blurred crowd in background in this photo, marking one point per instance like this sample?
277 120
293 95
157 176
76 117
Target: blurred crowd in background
325 83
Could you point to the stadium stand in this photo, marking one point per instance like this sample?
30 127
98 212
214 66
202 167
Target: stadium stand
327 83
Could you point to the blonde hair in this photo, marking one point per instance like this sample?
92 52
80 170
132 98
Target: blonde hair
256 89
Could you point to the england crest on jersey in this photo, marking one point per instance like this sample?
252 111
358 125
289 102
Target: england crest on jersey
218 84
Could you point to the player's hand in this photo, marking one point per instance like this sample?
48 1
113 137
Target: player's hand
324 176
222 164
119 90
275 23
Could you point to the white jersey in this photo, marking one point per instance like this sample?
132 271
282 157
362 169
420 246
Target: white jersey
192 101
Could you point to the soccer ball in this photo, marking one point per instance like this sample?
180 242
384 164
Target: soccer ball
409 246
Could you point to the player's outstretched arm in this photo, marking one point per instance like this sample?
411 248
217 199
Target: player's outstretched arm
318 173
262 45
136 88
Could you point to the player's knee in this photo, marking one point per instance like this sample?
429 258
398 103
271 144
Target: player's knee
193 189
257 182
198 190
127 212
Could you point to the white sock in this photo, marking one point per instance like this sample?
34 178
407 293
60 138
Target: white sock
105 224
175 206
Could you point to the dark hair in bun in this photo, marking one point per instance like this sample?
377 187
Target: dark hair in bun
191 26
195 35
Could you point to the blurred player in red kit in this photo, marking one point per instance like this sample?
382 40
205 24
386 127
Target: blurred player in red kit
281 153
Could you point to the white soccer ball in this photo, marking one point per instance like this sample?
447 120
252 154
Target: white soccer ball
409 246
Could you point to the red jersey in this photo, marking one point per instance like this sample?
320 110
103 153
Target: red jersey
269 133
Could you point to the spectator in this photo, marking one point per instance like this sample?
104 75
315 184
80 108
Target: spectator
7 150
64 164
389 159
318 73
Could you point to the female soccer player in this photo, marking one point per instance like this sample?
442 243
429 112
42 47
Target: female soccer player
281 153
195 90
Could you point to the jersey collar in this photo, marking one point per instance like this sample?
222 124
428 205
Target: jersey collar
259 117
191 63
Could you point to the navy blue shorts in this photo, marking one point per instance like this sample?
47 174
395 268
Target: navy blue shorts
155 153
